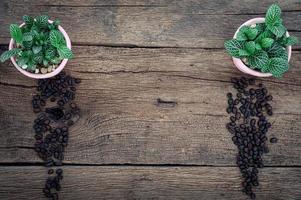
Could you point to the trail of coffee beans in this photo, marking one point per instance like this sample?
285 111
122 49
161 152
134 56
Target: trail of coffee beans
249 126
52 124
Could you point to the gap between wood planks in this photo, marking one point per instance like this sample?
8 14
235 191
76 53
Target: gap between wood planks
133 46
22 164
144 72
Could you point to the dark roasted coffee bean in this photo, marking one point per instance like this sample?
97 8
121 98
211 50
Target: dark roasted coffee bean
239 95
70 123
273 140
269 98
229 95
77 81
60 103
232 118
59 171
50 171
230 102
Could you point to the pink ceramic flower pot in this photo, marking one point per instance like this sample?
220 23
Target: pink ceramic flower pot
57 70
239 63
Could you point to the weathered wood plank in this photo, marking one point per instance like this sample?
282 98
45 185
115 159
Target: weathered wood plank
122 122
149 23
150 183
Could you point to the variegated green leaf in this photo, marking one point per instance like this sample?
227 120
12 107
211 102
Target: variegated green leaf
266 42
250 47
65 52
233 46
273 15
28 21
7 54
259 60
278 66
42 21
277 51
56 38
16 33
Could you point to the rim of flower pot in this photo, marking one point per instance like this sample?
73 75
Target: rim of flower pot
57 70
240 64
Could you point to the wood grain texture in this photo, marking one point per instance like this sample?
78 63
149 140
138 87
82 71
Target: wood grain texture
122 121
166 183
172 23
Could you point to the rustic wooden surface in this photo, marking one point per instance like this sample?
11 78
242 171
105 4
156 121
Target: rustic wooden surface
127 145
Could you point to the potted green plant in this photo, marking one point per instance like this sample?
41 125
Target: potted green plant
39 48
262 46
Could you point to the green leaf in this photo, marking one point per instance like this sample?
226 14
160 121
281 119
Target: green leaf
56 60
27 37
251 33
50 53
27 44
258 46
277 66
233 46
65 52
56 22
277 51
259 60
278 30
42 21
38 58
56 38
22 61
45 62
291 40
243 53
273 15
260 27
16 33
250 47
7 54
266 34
266 42
246 33
241 36
36 49
28 21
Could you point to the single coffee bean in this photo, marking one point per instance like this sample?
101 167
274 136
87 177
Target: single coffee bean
229 95
273 140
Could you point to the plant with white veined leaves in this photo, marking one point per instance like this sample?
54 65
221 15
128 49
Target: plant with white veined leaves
38 44
263 46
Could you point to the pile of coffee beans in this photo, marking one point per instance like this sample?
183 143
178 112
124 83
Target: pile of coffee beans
52 124
248 125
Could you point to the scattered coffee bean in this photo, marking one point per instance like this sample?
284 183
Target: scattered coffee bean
50 146
249 127
273 140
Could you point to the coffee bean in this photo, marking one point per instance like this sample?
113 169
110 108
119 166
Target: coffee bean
248 135
59 171
77 81
229 95
50 147
232 118
273 140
